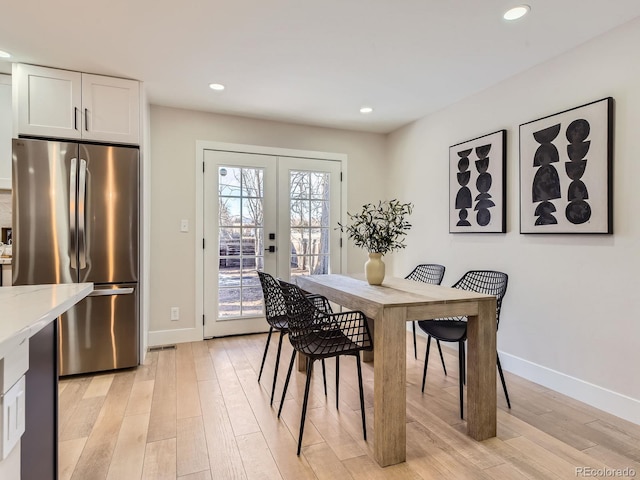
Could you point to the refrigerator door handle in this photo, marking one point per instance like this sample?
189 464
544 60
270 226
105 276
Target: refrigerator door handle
82 233
110 291
72 210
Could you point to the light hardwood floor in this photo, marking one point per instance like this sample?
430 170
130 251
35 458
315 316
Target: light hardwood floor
198 412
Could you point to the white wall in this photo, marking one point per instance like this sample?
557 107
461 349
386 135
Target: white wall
174 133
571 314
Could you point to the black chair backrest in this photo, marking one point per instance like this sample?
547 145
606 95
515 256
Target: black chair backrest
274 304
301 312
321 334
489 282
305 320
427 273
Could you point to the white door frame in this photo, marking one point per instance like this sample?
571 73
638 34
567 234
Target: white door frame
201 146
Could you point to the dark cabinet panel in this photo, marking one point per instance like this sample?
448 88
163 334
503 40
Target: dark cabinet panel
39 448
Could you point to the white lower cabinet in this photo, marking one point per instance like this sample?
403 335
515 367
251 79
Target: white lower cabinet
13 418
13 367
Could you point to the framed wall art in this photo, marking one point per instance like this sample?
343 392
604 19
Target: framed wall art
477 185
566 171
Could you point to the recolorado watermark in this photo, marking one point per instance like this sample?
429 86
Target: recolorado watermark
605 472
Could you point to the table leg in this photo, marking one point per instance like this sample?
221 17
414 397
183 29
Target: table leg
481 372
301 361
367 355
389 388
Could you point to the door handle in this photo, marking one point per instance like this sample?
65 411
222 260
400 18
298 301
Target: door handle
82 233
270 249
86 119
106 292
72 210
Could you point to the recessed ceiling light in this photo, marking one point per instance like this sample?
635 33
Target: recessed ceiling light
516 12
216 86
366 110
4 54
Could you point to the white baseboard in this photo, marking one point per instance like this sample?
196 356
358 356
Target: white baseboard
607 400
169 337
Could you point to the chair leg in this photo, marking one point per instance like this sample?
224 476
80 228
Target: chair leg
264 356
426 362
286 382
275 373
461 375
504 385
304 404
444 367
337 380
364 423
324 378
415 345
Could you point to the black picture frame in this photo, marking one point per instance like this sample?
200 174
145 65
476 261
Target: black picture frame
477 184
576 199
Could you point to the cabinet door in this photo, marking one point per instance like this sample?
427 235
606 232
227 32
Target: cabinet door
49 101
110 109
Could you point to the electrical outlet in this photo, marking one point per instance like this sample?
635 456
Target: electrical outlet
175 313
184 225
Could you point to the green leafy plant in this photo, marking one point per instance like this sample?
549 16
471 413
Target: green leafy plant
379 228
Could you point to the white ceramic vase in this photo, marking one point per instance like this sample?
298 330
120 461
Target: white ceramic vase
374 269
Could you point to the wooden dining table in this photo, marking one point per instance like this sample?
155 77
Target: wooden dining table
388 307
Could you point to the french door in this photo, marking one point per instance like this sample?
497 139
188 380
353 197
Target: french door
263 212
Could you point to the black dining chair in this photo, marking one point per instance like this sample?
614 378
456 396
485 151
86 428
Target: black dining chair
455 329
427 273
320 335
276 315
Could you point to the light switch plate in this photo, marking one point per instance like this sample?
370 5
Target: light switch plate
184 225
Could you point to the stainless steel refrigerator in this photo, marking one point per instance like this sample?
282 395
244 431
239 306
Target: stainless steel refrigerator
75 219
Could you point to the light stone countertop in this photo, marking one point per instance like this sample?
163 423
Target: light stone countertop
25 310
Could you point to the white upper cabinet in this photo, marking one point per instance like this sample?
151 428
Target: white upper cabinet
65 104
110 109
48 101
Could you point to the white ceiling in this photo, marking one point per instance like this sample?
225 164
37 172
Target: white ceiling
304 61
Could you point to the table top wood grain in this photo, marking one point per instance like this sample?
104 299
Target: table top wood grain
353 291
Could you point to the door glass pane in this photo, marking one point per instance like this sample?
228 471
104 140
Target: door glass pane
241 240
229 181
229 303
252 301
319 185
299 182
309 225
299 211
321 265
319 213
